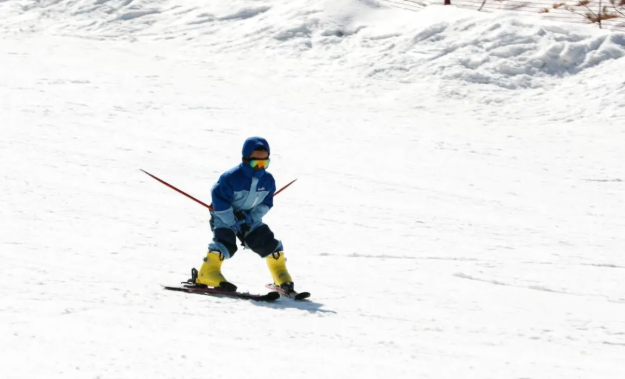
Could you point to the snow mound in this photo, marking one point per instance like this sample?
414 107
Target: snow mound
363 36
505 51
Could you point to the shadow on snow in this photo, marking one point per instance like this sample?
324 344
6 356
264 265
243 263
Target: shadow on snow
305 305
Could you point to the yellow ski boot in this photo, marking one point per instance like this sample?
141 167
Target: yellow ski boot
277 266
210 273
282 281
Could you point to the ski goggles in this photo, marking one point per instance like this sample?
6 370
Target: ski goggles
259 163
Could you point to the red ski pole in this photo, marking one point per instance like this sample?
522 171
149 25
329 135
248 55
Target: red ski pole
283 188
193 198
179 191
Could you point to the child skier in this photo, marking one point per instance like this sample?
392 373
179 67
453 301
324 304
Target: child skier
241 197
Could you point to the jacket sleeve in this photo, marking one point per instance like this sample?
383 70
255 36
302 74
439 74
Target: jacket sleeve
222 194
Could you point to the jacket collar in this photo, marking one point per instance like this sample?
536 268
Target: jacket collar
250 172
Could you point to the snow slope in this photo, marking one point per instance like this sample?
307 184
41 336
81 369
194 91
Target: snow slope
458 214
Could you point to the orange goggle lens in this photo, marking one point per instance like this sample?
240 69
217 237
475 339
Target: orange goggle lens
259 163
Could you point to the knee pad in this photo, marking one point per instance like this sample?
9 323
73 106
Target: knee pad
262 241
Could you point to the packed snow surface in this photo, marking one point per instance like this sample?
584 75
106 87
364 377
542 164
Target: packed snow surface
459 211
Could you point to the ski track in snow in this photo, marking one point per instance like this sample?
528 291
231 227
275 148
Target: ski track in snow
458 211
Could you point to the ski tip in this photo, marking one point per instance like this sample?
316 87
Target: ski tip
302 296
294 296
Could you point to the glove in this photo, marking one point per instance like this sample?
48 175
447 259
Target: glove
247 218
237 228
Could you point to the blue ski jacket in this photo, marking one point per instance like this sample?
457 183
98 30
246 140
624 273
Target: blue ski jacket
243 189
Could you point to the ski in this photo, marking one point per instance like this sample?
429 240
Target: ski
291 295
201 290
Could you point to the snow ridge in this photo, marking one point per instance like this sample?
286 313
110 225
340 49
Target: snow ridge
507 51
